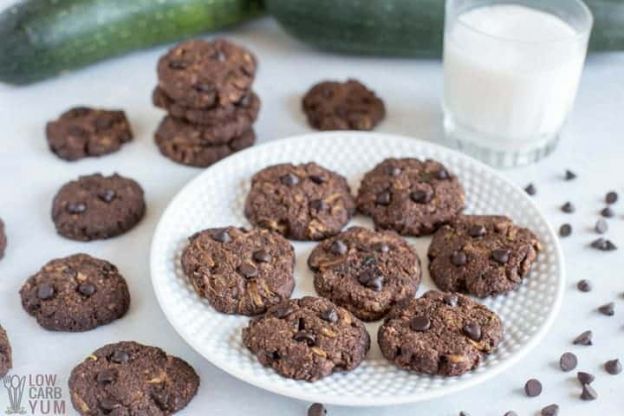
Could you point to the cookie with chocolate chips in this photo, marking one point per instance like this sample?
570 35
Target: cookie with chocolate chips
410 196
3 239
347 105
302 202
200 74
366 272
96 207
482 255
439 333
76 293
85 132
307 339
128 378
6 359
240 271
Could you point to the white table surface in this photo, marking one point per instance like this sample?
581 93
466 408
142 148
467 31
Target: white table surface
593 146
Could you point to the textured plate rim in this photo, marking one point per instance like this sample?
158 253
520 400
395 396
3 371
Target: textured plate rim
358 401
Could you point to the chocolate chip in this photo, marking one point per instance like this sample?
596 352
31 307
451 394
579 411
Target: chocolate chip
219 56
86 289
421 196
107 195
305 336
248 270
588 393
530 189
611 197
420 323
317 179
261 256
45 291
584 285
330 315
393 170
472 330
451 300
585 378
318 205
338 247
106 376
459 258
222 236
584 338
76 207
462 413
550 410
607 212
119 357
613 367
371 279
565 230
108 405
282 310
290 179
533 387
601 226
203 87
383 198
177 64
568 208
607 309
381 247
317 409
442 174
569 175
501 255
568 361
477 231
603 244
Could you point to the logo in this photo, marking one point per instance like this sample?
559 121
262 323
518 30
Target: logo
34 394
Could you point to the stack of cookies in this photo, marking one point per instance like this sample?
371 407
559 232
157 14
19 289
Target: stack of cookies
206 89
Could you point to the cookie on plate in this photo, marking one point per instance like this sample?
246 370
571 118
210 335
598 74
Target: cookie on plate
410 196
76 293
307 339
347 105
97 207
439 333
482 255
3 239
200 74
241 114
84 132
240 271
6 359
128 378
302 202
366 272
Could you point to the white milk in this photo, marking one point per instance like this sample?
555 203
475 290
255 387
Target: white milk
511 73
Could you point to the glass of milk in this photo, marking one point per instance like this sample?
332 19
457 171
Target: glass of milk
511 73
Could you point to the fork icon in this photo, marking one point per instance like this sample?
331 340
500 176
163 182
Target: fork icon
14 386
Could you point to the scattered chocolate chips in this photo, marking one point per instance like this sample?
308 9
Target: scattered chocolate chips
585 378
120 357
442 174
317 409
222 236
421 196
330 315
459 258
530 189
569 175
86 289
501 255
393 171
550 410
472 330
420 323
177 64
601 226
451 300
383 198
107 195
611 197
568 208
584 338
584 285
371 279
381 247
338 247
290 179
568 361
106 376
588 393
317 179
305 336
248 270
533 387
607 309
45 291
603 244
282 310
565 230
261 256
607 212
76 207
613 367
477 231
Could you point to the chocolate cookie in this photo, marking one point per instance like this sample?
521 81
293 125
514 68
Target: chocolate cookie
83 132
6 360
302 202
366 272
128 378
96 207
240 271
410 196
185 143
76 293
199 74
239 116
3 239
343 106
439 334
307 339
482 255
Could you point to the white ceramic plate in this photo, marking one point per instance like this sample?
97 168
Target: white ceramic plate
216 198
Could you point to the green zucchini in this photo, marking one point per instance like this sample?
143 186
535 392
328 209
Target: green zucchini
404 27
41 38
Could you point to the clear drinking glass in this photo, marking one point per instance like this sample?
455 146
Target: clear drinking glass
511 73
